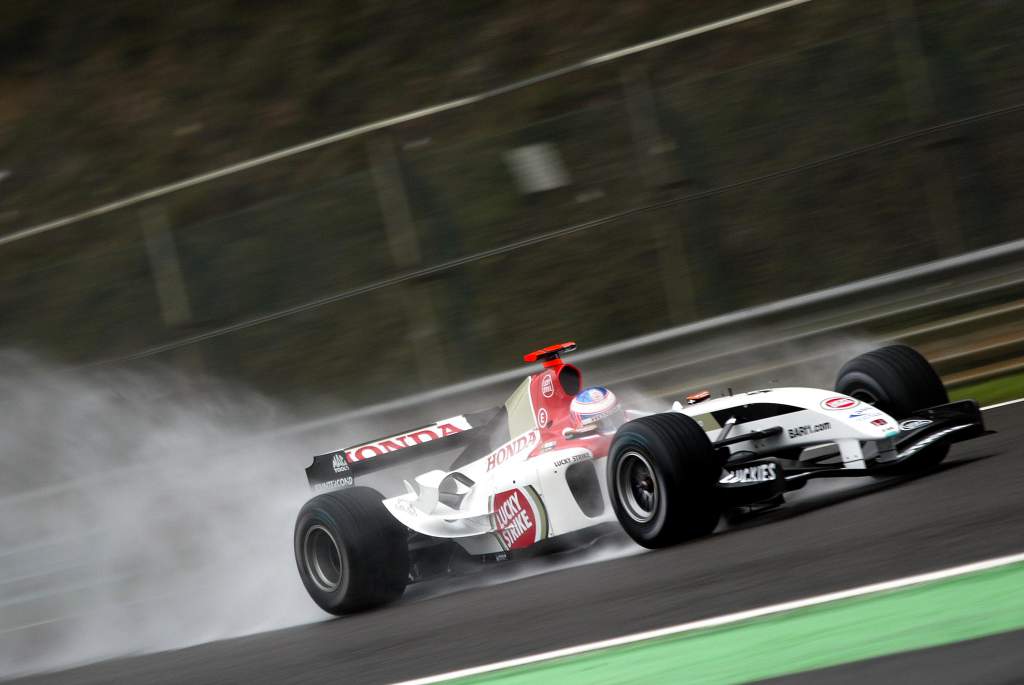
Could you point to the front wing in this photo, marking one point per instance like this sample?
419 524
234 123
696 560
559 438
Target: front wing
760 479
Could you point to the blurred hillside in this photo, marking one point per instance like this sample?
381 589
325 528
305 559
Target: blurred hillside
105 99
803 149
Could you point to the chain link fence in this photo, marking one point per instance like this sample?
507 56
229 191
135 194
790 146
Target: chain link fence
804 149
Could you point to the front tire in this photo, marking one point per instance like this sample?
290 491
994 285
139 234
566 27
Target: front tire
662 472
351 553
898 380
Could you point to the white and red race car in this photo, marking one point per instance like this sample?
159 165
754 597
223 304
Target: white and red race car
558 463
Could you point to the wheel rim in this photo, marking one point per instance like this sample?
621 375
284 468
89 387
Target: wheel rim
323 558
637 486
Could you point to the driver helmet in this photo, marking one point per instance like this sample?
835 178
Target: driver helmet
595 407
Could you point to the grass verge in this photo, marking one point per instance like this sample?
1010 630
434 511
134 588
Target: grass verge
1001 389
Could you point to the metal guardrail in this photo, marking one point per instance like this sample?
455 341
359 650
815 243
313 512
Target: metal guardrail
944 295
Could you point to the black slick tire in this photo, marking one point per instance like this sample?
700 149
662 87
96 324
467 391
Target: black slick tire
662 472
351 553
898 380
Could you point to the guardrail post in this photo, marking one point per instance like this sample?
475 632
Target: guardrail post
653 148
403 243
919 97
165 267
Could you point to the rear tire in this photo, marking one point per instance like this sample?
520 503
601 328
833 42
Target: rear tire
899 381
351 553
662 472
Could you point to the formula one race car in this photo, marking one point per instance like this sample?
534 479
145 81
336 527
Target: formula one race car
559 461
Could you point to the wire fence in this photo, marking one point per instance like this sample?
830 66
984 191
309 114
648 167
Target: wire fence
792 151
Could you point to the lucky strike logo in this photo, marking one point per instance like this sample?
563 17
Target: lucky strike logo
511 448
441 429
547 386
839 403
515 519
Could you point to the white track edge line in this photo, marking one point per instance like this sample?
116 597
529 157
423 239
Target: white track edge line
1003 404
727 618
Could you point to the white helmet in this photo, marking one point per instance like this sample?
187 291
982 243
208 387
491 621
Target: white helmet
595 405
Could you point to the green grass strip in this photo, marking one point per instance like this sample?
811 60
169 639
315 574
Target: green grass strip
1001 389
927 615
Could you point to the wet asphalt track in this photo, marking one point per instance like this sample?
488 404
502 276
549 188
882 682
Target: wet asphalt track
837 535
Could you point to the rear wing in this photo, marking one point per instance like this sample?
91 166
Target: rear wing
338 469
